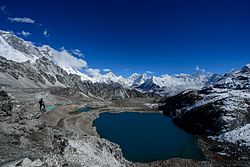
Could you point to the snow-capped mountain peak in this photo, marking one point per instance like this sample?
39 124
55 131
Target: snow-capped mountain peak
17 49
109 78
237 79
137 79
110 75
248 65
172 84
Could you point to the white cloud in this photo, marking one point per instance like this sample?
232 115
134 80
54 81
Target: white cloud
25 34
92 72
149 72
22 20
199 69
106 70
46 33
77 52
64 59
233 70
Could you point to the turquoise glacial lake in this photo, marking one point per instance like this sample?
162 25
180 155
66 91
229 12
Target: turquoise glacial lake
145 137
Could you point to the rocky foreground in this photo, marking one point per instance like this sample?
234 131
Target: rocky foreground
61 136
32 138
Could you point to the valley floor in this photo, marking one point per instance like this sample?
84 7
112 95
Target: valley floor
62 136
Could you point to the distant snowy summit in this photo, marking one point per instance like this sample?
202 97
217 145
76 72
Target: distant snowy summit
237 79
18 50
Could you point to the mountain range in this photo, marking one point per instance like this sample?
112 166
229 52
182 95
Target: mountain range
53 71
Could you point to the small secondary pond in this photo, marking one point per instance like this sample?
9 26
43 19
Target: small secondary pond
50 107
84 109
146 137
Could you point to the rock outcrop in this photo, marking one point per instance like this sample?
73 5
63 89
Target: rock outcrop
209 111
25 140
219 114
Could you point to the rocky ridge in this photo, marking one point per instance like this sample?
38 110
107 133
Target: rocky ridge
44 74
219 114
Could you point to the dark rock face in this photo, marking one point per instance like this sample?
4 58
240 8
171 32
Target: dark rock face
60 79
209 111
149 85
49 77
37 74
100 91
201 120
6 105
174 103
210 114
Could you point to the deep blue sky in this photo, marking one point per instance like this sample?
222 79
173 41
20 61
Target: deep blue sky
163 36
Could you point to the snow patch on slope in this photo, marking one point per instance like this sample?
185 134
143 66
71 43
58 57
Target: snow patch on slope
219 94
238 135
10 53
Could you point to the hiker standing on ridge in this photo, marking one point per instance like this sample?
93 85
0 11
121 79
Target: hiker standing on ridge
41 103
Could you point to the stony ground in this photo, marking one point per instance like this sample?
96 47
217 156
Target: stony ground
62 136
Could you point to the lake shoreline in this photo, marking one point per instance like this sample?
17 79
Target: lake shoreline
104 108
72 130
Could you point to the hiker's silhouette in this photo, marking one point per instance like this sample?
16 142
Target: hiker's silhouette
42 105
